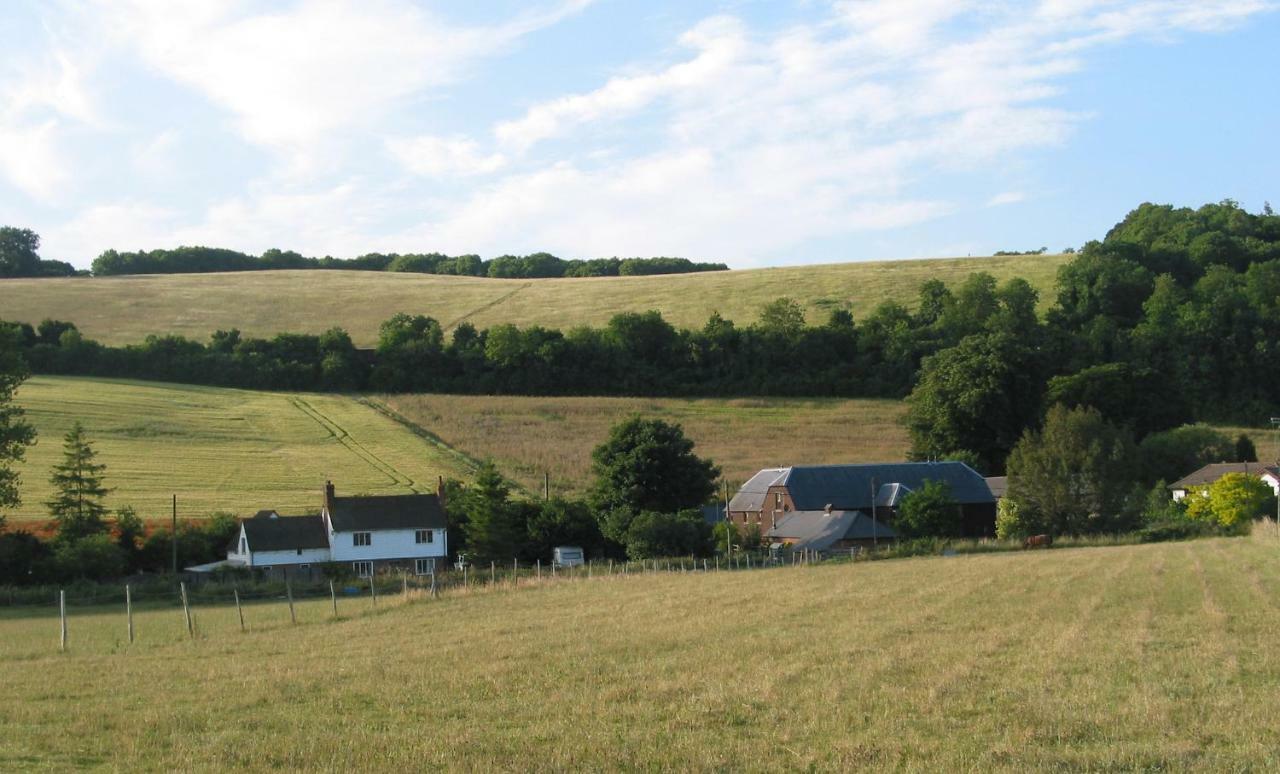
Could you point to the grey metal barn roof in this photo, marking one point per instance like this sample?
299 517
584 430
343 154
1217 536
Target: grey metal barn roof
285 533
849 487
418 511
819 530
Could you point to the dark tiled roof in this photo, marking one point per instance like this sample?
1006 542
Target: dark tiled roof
1211 473
820 530
285 533
849 487
418 511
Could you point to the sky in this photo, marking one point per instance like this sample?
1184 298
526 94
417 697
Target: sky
749 132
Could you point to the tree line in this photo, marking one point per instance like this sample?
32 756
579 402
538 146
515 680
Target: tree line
189 260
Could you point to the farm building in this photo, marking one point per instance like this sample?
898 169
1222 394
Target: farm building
775 493
1209 474
370 533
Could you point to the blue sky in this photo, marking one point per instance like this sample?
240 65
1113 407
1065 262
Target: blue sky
755 133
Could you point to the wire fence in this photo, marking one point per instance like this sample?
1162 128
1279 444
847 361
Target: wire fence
134 607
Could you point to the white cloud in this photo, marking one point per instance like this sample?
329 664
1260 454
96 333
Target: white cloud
443 156
1006 197
293 76
31 159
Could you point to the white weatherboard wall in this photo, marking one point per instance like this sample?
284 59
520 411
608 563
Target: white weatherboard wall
1267 478
386 544
277 558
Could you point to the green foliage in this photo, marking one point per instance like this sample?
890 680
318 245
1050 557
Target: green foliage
23 559
130 532
77 481
1233 500
1172 454
1245 451
495 530
1009 521
649 465
782 317
928 512
977 396
15 434
560 522
1142 398
90 557
1159 507
1072 477
682 533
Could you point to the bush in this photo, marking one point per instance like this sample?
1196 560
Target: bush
668 534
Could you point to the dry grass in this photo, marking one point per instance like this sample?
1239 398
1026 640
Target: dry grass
529 436
1156 657
121 310
221 449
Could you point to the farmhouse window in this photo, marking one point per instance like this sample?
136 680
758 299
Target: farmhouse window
299 552
424 566
363 569
362 538
424 536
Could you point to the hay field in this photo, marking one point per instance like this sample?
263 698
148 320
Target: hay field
1155 657
123 310
222 449
527 436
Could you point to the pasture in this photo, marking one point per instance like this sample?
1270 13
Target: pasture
124 310
223 449
527 436
1148 657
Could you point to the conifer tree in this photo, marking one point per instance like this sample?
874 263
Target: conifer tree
77 506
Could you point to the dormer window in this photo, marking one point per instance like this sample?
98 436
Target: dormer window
361 538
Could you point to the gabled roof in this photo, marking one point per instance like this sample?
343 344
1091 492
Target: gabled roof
1212 472
285 533
417 511
998 485
850 487
819 530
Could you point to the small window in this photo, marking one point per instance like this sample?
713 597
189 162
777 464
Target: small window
244 545
777 499
265 568
304 567
363 569
424 536
362 538
299 552
424 566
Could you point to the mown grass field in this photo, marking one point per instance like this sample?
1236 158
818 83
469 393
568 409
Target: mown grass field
123 310
222 449
1153 657
527 436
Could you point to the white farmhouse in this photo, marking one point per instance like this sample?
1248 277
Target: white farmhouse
371 534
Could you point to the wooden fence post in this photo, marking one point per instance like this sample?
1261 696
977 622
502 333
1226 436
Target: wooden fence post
333 597
434 593
493 573
186 610
62 615
288 590
128 609
373 589
539 569
235 590
404 579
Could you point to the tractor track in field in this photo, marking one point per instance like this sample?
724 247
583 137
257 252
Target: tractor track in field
340 434
486 306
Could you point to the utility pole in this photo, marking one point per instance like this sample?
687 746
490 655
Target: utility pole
874 542
175 535
546 486
1275 422
728 522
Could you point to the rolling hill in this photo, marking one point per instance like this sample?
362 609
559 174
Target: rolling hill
123 310
221 449
1137 658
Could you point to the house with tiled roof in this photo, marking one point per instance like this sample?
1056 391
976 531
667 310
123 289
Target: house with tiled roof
372 534
874 490
1209 475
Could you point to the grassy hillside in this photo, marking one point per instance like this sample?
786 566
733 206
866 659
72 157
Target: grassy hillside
125 309
1157 657
529 436
221 449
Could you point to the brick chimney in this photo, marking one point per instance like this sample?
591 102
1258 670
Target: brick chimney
440 490
328 494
